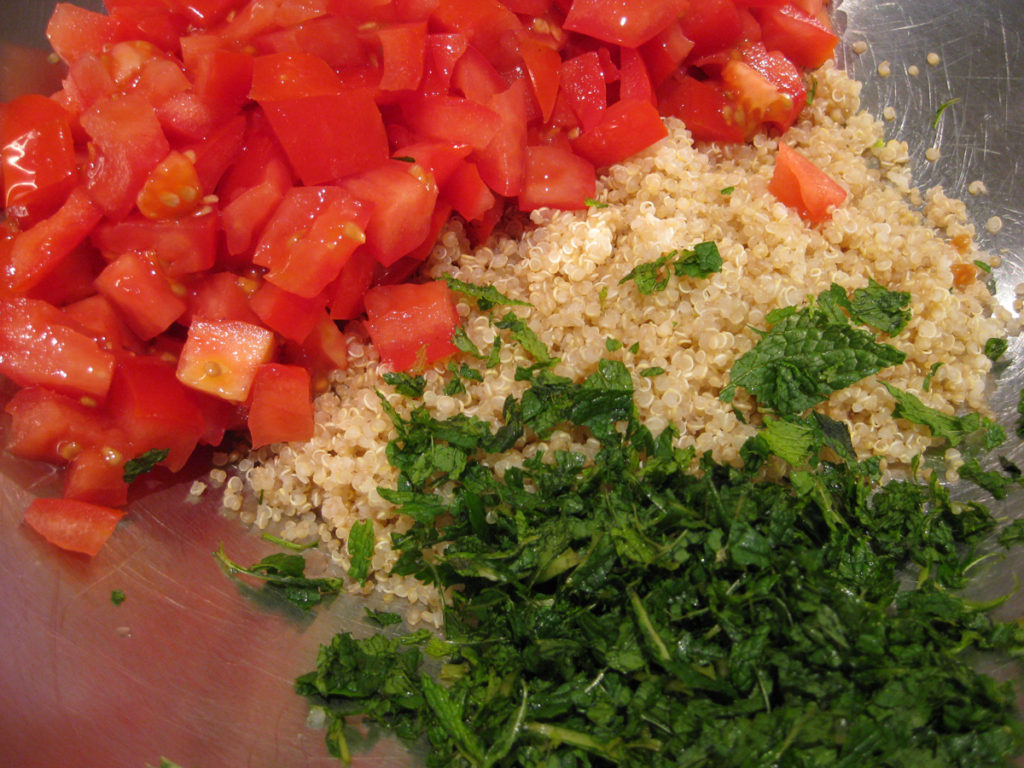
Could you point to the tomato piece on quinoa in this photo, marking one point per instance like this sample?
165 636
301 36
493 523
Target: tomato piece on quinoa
411 324
800 184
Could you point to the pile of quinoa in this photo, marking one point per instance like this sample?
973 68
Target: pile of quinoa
568 265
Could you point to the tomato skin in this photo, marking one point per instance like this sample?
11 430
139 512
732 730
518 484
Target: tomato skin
76 526
74 31
502 163
442 53
702 105
582 83
38 157
96 316
280 407
181 246
36 347
801 37
403 47
49 426
622 22
141 291
221 357
800 184
556 178
543 64
411 324
627 127
712 25
451 118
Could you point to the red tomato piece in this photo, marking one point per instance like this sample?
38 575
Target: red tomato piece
129 142
467 192
154 410
556 178
665 52
439 158
502 163
634 80
222 80
627 127
73 31
246 215
290 315
402 195
181 246
327 130
543 64
140 289
800 184
37 347
801 37
582 82
38 157
76 526
334 39
704 107
221 358
221 296
622 22
96 316
354 280
171 189
476 78
451 118
149 20
403 47
712 25
96 476
280 407
48 426
411 324
323 351
218 151
37 252
483 22
441 54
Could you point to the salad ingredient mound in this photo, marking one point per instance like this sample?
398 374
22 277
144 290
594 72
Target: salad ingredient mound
220 184
682 267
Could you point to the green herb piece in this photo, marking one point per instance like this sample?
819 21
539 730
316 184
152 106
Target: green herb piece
651 277
926 384
117 596
285 543
592 203
612 345
995 348
727 190
406 384
808 354
634 347
381 619
140 465
487 296
1012 534
526 337
984 266
942 108
465 344
360 550
494 356
404 159
812 90
284 576
953 429
880 308
654 370
602 296
992 481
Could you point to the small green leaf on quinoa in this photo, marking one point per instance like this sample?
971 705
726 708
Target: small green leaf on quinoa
117 596
381 619
634 347
942 108
727 190
954 429
465 344
653 276
487 296
140 465
406 384
995 348
526 337
880 308
592 203
612 345
360 550
984 266
285 543
654 370
926 385
812 90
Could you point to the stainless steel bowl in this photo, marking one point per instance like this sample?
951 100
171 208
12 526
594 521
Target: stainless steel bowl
190 669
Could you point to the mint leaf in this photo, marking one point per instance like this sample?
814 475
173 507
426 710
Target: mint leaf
880 308
487 296
653 276
995 348
951 428
360 550
406 384
381 619
140 465
527 339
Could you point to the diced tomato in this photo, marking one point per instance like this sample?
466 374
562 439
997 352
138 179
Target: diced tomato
128 142
218 151
140 289
403 47
483 22
582 82
221 358
77 526
181 246
634 80
286 313
355 278
149 20
171 190
73 31
800 184
467 192
703 106
451 118
556 178
403 196
543 64
801 37
38 251
222 296
441 54
502 163
328 131
411 324
48 426
334 39
155 410
712 25
72 279
38 157
38 348
623 22
323 351
476 78
665 52
439 158
627 127
96 475
96 316
222 80
280 408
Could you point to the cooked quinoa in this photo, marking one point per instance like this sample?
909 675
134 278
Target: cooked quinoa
568 265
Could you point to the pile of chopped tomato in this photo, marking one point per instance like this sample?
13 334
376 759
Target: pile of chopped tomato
220 185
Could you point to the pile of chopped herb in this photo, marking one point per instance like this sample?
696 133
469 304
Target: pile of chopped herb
650 607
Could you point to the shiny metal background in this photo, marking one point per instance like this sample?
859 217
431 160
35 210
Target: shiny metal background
190 668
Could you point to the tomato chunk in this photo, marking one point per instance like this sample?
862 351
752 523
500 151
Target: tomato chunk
221 357
280 409
411 324
77 526
800 184
556 178
623 22
137 286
